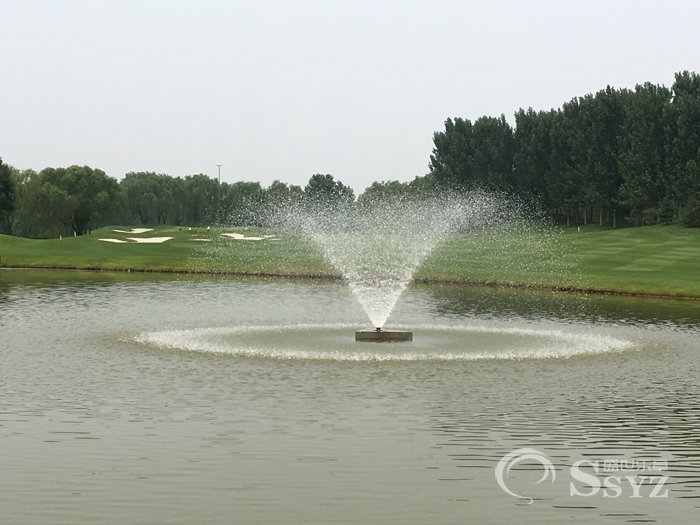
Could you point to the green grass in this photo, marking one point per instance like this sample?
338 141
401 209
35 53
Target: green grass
654 260
286 255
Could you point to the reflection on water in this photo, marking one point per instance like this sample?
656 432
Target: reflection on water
481 301
97 426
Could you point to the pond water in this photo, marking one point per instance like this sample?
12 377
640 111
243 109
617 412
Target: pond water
142 399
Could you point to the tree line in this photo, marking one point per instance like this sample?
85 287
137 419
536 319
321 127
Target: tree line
78 199
615 156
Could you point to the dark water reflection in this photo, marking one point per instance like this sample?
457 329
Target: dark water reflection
531 304
96 427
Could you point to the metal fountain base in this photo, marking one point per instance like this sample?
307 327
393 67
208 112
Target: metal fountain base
379 335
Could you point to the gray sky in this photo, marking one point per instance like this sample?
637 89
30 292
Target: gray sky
278 89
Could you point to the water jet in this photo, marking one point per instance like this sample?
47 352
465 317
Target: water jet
377 247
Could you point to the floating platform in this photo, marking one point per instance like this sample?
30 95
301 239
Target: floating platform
378 335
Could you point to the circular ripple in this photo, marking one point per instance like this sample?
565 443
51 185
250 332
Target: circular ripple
336 343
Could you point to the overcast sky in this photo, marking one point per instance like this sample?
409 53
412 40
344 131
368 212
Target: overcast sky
278 89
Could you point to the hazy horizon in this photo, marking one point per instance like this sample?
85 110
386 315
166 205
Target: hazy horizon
283 90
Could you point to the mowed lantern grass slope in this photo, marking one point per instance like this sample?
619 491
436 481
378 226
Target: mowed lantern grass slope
655 260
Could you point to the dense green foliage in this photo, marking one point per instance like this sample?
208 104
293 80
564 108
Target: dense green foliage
58 201
7 193
73 201
196 199
325 191
617 154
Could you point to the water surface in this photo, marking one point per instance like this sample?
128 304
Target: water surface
137 399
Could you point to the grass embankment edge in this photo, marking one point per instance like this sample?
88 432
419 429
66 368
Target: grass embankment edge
655 262
338 278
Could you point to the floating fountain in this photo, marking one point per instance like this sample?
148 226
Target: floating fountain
378 247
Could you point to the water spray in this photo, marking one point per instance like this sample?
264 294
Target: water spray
378 247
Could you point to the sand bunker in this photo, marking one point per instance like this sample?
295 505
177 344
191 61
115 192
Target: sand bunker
159 240
241 237
134 231
149 240
140 240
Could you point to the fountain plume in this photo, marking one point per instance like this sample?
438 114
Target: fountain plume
378 246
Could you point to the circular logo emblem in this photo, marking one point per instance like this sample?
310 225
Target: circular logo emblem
511 459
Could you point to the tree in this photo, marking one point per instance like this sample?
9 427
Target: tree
241 203
532 153
492 156
43 210
278 198
602 119
201 195
599 155
7 195
564 181
380 192
422 187
642 154
150 198
95 197
282 194
468 155
453 151
323 190
682 151
691 215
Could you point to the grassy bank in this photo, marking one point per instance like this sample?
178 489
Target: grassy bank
653 260
186 251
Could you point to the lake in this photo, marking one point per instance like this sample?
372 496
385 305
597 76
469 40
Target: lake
162 399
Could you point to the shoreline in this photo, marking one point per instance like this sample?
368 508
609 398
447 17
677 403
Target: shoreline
588 290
